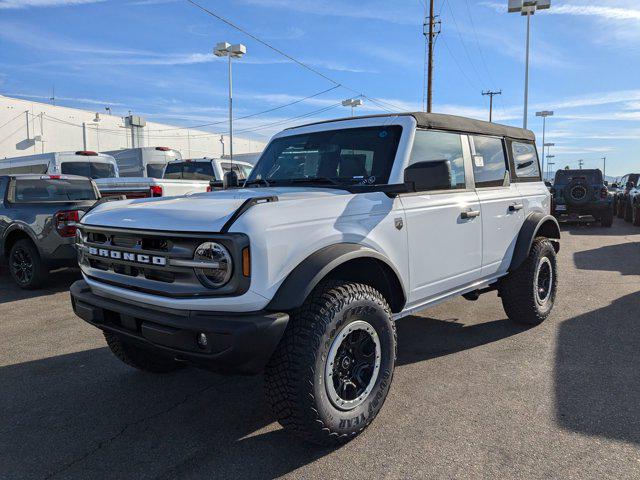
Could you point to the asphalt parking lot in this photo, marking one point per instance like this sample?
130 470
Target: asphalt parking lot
473 396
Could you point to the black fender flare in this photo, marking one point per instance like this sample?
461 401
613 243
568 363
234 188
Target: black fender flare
534 224
305 277
16 227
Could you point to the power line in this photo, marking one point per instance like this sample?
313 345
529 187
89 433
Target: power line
288 120
464 46
286 55
464 73
300 100
475 34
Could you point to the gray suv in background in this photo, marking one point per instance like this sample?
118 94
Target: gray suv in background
38 216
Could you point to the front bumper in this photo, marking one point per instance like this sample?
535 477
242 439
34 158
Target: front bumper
237 343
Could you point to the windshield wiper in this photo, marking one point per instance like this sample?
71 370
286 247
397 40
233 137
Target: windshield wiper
321 180
257 181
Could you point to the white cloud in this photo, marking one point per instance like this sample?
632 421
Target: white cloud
370 10
21 4
88 101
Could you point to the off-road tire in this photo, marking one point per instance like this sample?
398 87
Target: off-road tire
295 375
518 288
628 213
620 209
139 358
38 271
607 219
636 215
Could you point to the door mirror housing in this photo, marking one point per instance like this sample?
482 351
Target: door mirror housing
230 180
426 176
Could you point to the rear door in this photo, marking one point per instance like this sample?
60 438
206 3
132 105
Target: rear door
445 246
500 203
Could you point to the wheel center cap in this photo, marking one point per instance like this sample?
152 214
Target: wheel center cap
346 362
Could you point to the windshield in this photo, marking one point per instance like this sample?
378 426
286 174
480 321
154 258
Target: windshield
190 171
89 169
155 170
346 156
592 177
53 190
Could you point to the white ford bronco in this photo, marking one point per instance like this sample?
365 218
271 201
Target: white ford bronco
342 228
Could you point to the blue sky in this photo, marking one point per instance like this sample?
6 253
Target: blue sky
153 57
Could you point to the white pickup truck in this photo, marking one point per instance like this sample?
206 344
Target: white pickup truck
144 187
342 228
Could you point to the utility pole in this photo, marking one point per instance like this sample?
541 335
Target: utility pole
429 31
604 173
580 163
491 94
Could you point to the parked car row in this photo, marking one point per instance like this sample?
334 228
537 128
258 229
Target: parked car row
133 172
627 199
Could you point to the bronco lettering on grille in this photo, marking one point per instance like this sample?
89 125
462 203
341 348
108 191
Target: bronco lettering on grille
128 256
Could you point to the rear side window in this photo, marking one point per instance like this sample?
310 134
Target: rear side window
430 145
226 167
525 159
89 169
190 171
489 162
52 190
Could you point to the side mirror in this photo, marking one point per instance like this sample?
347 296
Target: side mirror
630 185
230 180
606 183
425 176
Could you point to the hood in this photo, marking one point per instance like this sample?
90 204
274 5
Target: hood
201 212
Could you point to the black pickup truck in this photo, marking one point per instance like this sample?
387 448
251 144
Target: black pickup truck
38 216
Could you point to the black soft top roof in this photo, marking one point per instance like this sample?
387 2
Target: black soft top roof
441 121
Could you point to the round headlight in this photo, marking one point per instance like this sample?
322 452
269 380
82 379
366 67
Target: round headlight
219 271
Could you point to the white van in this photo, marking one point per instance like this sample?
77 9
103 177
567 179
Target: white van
84 163
144 161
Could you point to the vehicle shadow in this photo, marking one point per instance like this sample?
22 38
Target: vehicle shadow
68 415
423 338
622 257
597 386
58 281
620 227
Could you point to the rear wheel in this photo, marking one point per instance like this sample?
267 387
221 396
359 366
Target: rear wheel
529 292
332 370
628 213
620 209
636 215
139 358
25 265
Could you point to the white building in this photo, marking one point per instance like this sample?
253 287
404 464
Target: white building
28 127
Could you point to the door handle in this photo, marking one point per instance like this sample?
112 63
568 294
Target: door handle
470 214
515 207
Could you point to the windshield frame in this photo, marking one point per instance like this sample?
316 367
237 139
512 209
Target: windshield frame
359 183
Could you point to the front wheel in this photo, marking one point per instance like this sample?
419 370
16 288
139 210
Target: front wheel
529 292
25 265
607 219
332 370
628 213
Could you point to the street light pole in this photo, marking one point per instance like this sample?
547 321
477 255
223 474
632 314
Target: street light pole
604 173
224 49
352 102
527 8
544 114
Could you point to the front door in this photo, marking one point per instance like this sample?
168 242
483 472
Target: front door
500 203
444 227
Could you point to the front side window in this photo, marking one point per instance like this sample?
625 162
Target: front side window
52 190
525 159
346 156
431 145
89 169
489 162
